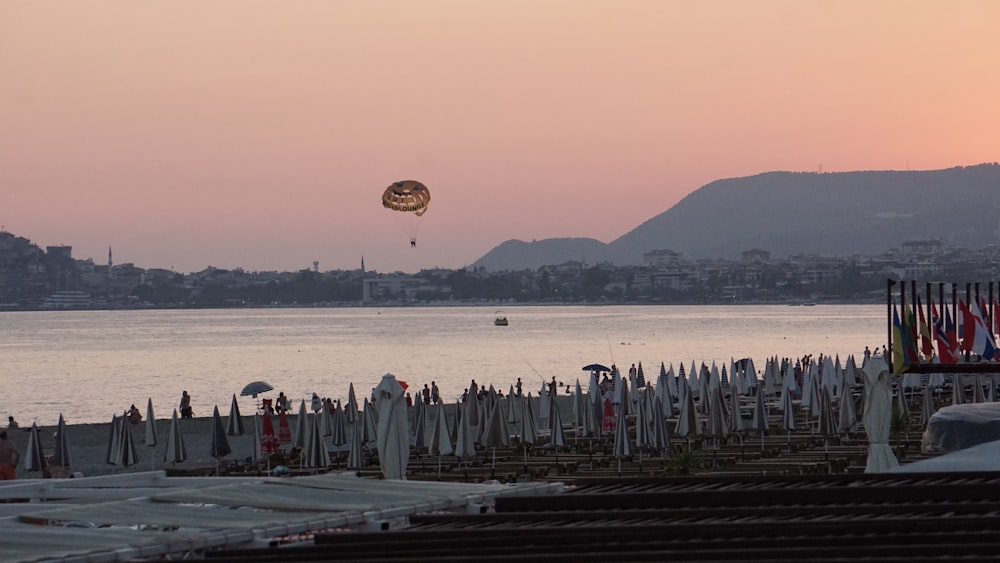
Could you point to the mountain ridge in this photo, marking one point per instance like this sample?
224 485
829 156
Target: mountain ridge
785 213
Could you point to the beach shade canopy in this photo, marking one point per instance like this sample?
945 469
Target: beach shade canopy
877 415
393 436
234 426
34 457
220 443
255 388
596 367
151 436
61 454
175 452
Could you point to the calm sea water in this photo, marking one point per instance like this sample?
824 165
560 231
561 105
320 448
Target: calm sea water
92 364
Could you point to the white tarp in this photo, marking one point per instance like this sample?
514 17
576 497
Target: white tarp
957 427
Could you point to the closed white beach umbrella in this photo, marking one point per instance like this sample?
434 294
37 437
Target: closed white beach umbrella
751 376
495 432
544 406
851 371
848 416
220 443
175 451
716 427
660 436
356 452
151 436
34 456
113 454
234 426
787 411
393 431
877 415
301 428
529 430
623 447
255 455
419 422
688 424
128 456
577 405
368 416
339 435
351 414
826 426
464 439
759 422
642 420
315 454
735 415
557 436
440 442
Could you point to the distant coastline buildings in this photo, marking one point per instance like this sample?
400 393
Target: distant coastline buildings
36 279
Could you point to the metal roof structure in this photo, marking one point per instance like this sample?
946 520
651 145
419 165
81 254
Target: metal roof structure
884 517
152 516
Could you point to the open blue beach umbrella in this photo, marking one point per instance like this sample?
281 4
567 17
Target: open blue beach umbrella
255 388
596 367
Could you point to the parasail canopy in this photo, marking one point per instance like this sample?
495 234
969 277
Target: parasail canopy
408 196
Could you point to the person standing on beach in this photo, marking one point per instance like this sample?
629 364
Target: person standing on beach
317 404
186 405
11 423
9 457
435 393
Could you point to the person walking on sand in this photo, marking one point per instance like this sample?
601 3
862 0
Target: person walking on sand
317 404
8 458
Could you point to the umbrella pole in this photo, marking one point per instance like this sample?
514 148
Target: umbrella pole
439 466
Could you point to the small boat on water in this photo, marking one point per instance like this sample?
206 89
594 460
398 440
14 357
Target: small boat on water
501 319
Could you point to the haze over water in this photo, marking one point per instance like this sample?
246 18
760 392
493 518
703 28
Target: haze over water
92 364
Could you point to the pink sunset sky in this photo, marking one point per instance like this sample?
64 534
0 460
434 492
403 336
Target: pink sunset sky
261 135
